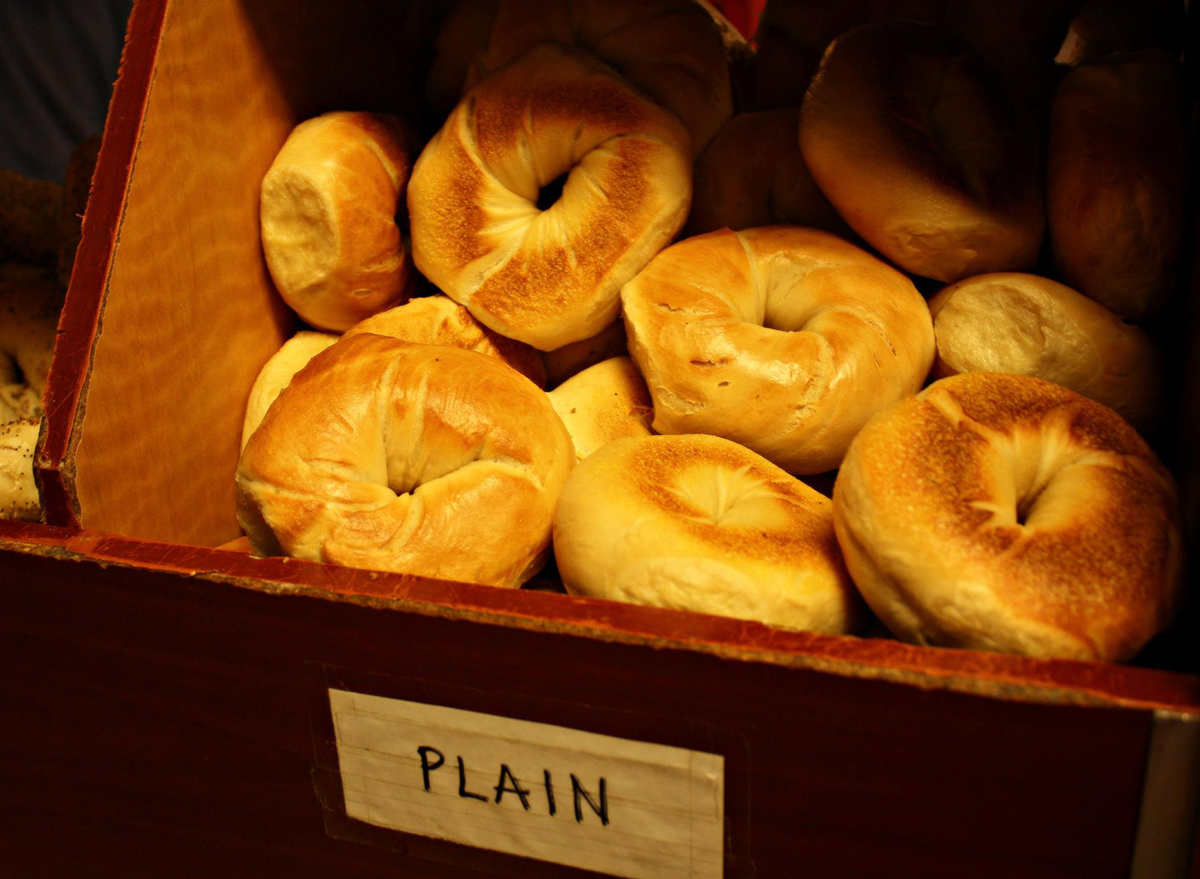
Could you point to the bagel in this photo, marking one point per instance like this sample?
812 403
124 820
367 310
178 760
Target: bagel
18 491
1003 512
422 459
671 50
1118 151
916 145
328 215
28 326
753 174
700 523
603 403
783 339
1015 323
547 277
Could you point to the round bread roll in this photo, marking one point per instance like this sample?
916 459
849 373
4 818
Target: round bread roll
569 360
603 403
914 143
548 277
18 492
1003 512
439 320
671 51
700 523
783 339
753 174
1114 184
328 212
1016 323
277 373
422 459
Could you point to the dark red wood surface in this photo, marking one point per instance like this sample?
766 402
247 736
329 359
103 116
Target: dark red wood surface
93 260
156 722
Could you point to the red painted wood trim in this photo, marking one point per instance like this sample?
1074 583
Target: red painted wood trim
101 227
1014 677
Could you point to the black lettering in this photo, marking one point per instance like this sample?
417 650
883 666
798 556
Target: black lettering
426 766
549 790
501 789
580 793
462 784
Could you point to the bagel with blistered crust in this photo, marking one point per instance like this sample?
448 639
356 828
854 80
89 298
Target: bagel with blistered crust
783 339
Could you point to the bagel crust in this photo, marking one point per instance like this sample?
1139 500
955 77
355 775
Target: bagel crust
700 523
603 403
1003 512
783 339
920 152
548 277
421 459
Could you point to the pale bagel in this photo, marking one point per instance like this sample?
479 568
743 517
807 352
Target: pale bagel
548 277
783 339
1003 512
1017 323
277 373
603 403
328 215
422 459
700 523
918 148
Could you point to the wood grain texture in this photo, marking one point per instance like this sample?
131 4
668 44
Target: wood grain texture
150 714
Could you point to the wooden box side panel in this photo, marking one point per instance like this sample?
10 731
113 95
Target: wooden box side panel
189 312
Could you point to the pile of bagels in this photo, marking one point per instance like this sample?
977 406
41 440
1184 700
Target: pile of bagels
849 348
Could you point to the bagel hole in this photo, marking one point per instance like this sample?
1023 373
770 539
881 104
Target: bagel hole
551 192
1026 504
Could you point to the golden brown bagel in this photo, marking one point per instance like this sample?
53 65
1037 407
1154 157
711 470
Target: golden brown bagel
1114 191
700 523
1017 323
914 143
547 277
784 339
671 50
1003 512
753 174
439 320
328 212
603 403
422 459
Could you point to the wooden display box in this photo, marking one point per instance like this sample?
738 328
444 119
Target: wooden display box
166 705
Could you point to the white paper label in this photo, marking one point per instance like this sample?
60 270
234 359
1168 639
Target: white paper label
617 806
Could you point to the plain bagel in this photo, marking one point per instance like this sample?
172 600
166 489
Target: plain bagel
422 459
914 142
700 523
548 277
783 339
1003 512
